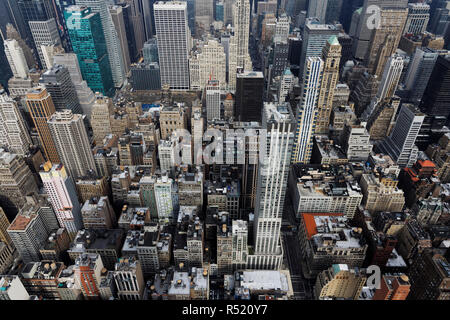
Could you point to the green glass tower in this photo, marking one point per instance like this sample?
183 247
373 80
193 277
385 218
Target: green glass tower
88 42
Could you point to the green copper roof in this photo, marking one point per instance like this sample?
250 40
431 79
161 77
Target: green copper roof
333 40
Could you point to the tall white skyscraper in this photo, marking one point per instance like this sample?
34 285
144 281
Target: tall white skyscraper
72 143
16 58
239 55
279 122
173 35
44 33
113 46
307 110
400 145
163 197
212 92
63 197
13 132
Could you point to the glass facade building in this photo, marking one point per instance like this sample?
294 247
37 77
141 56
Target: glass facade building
88 42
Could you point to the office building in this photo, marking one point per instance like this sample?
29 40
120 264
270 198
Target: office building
16 181
393 287
331 56
212 92
400 145
45 33
11 288
89 44
172 31
249 96
239 57
118 19
306 113
418 17
129 279
272 184
59 85
145 76
239 247
41 107
112 40
16 58
339 282
88 269
30 229
71 141
63 197
356 142
13 131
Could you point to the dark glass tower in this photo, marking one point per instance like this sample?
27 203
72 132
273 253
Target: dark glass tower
88 42
249 96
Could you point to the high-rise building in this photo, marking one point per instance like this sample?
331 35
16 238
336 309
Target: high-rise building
71 140
58 83
286 85
11 288
98 213
204 13
100 118
400 145
63 197
315 36
428 275
163 198
4 224
419 73
208 63
118 19
16 58
279 122
418 17
239 231
306 113
331 57
435 99
239 57
249 96
44 33
339 282
88 269
89 44
389 31
356 142
85 95
13 131
150 51
173 36
41 107
30 229
212 93
16 181
129 279
112 40
318 9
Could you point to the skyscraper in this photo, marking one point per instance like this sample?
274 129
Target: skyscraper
315 36
16 58
279 122
400 145
88 42
63 197
113 46
306 112
418 17
117 15
249 96
71 141
30 229
318 9
331 57
204 12
212 92
13 131
173 43
41 107
45 33
239 57
61 88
